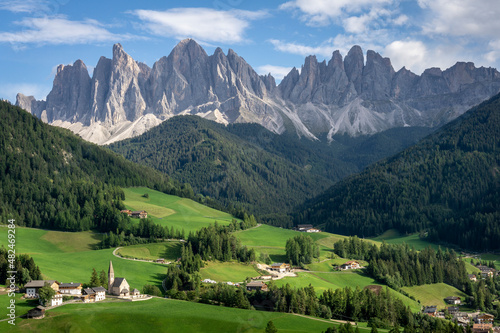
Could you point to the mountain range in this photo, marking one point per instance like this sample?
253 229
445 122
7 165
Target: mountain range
350 95
448 184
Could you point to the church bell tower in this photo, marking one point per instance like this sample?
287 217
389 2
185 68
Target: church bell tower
111 278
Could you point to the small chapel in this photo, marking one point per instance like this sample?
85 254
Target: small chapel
117 286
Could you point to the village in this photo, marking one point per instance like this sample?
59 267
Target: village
118 288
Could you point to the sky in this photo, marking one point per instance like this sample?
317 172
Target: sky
272 36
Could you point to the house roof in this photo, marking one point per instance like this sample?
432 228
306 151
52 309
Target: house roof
135 290
351 262
453 308
303 226
278 264
255 284
89 291
70 285
98 289
39 283
430 309
452 298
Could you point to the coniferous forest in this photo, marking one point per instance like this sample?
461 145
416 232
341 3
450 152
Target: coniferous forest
448 181
50 178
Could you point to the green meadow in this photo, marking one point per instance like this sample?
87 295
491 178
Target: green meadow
434 294
164 315
228 271
58 260
170 250
392 236
172 211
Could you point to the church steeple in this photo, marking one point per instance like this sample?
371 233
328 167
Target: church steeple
111 277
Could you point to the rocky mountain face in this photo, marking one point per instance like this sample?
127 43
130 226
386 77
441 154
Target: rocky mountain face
125 98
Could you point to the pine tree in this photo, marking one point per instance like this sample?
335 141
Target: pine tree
270 328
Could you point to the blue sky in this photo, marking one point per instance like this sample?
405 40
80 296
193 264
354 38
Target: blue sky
272 36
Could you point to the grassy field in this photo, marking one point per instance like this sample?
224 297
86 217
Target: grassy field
170 210
392 236
70 266
167 250
434 294
163 315
73 241
352 279
492 257
228 271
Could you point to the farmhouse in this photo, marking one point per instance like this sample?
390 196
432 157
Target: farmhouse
484 318
280 267
452 300
486 271
95 294
56 300
350 265
139 214
472 277
126 211
71 289
160 261
453 310
32 287
430 310
306 228
256 285
482 328
117 286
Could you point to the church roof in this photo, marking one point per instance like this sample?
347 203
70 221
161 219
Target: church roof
118 282
111 270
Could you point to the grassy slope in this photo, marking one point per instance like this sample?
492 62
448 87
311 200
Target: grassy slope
170 250
170 210
324 281
55 263
392 236
163 315
433 294
228 271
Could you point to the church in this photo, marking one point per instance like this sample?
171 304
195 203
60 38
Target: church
117 286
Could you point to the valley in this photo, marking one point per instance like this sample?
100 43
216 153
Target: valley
70 256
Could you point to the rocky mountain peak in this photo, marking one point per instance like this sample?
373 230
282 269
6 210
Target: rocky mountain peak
124 98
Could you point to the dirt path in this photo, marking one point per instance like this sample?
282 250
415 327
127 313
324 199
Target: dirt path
133 259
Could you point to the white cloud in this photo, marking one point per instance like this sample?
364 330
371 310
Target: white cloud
204 24
323 12
462 17
9 91
59 30
278 72
411 54
401 20
325 49
25 6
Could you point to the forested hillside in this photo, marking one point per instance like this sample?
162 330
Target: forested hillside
222 165
51 178
448 185
245 165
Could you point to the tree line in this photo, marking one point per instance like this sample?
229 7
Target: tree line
24 266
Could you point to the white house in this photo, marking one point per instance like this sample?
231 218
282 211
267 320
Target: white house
100 293
32 287
56 300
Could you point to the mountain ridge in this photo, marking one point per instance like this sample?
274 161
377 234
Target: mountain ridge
447 181
125 98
